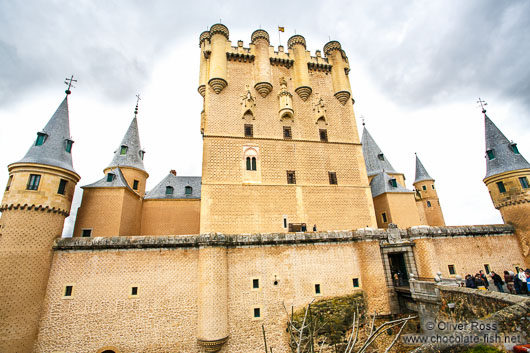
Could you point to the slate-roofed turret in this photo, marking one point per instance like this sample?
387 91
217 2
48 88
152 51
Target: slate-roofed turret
129 153
53 145
376 161
502 155
421 172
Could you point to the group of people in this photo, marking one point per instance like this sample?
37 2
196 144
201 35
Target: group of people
516 283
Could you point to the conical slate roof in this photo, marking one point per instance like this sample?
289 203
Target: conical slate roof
421 172
132 157
376 161
53 150
179 184
505 158
380 184
117 182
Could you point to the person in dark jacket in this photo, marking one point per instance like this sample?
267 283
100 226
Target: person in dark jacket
509 279
470 282
484 278
497 280
479 283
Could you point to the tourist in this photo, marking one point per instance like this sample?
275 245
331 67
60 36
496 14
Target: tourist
479 283
314 227
470 283
517 284
484 279
527 274
522 277
509 279
497 280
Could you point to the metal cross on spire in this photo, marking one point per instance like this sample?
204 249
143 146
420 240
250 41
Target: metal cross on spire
362 118
482 105
68 81
136 108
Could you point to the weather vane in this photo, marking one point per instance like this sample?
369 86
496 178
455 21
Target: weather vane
482 105
362 118
68 81
137 100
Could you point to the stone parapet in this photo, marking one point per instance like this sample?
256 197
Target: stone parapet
242 240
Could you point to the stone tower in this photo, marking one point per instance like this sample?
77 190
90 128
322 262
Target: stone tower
393 202
507 179
281 146
36 202
427 197
112 206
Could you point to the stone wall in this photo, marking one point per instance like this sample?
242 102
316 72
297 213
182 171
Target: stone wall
176 217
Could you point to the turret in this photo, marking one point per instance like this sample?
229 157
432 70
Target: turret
508 182
263 75
112 206
204 44
36 202
297 45
339 71
219 38
427 197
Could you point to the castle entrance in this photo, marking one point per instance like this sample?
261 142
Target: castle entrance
398 269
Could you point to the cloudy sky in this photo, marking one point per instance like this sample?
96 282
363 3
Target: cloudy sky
417 70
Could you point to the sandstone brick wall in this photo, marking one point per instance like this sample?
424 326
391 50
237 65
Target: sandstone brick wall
433 213
400 209
26 239
170 217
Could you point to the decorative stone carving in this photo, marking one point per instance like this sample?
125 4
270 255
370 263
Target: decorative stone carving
319 107
286 101
248 102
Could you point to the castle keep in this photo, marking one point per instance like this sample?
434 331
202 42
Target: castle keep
200 263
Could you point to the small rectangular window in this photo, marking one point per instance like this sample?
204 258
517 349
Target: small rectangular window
287 133
41 137
355 283
317 288
9 181
524 182
323 135
451 269
514 148
501 187
86 233
381 156
291 177
62 187
134 290
383 215
487 268
188 190
393 182
284 221
68 291
110 177
332 178
249 130
169 190
432 186
68 145
135 185
257 312
255 283
123 150
33 182
424 188
490 154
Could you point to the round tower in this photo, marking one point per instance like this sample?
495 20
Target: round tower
427 197
341 83
218 37
204 41
508 182
36 202
301 73
260 39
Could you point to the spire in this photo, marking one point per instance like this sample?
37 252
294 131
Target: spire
129 153
376 161
421 172
53 145
501 154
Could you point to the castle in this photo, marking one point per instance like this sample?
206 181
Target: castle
198 264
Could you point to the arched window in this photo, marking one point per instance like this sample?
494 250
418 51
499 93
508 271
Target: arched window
188 190
248 164
169 190
428 203
253 163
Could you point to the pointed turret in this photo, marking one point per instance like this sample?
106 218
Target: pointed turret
53 145
427 201
502 155
421 172
129 153
376 161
